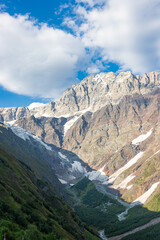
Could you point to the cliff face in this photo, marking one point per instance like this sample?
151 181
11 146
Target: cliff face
91 94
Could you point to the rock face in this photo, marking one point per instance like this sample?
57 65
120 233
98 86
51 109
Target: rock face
98 119
93 93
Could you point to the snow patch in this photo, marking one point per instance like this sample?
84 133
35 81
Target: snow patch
70 123
62 181
93 175
42 143
98 176
20 132
125 167
101 170
140 200
143 198
84 111
129 187
52 115
47 115
142 137
124 183
77 167
11 122
36 105
62 156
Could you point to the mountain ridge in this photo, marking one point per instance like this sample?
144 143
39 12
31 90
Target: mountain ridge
90 94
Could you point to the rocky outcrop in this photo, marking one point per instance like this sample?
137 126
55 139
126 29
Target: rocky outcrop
98 137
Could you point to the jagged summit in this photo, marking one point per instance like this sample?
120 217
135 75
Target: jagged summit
91 94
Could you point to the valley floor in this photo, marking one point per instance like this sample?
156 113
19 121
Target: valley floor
151 223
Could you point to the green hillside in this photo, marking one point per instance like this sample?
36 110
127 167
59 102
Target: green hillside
99 210
94 207
31 210
34 157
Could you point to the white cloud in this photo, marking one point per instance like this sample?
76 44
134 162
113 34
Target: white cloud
93 69
126 32
37 60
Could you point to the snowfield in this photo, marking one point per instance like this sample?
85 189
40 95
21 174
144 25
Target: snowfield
98 176
69 124
124 183
93 175
77 167
62 181
113 177
143 198
142 138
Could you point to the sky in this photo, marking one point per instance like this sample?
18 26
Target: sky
46 46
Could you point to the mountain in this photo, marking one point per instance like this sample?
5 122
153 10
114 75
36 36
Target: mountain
91 94
105 128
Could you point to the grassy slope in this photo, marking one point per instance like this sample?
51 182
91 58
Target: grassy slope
30 208
96 208
30 155
101 211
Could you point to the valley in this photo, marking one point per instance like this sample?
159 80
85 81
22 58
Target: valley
97 148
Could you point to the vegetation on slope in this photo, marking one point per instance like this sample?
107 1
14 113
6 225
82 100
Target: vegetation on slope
101 210
96 208
146 234
30 209
31 155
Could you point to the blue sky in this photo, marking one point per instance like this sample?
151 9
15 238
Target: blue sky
43 11
46 46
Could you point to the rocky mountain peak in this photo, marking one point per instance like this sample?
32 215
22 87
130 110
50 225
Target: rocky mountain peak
91 94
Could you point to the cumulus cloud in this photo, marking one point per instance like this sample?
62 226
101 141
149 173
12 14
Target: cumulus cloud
37 60
126 32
